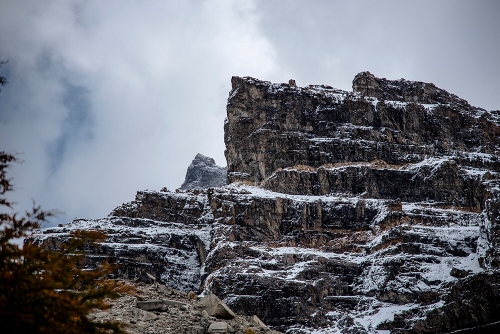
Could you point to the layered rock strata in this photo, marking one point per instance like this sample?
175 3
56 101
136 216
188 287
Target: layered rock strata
350 212
271 126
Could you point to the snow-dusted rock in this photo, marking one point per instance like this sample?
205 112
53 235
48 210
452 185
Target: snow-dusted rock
272 126
204 173
377 209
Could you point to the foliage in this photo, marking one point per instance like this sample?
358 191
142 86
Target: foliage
47 291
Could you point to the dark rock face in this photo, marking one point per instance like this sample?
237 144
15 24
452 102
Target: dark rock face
404 91
273 126
377 209
402 140
166 250
439 180
473 304
204 173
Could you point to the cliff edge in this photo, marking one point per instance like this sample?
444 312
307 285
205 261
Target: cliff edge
353 212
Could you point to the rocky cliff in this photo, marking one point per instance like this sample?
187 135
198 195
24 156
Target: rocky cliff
352 212
270 127
204 173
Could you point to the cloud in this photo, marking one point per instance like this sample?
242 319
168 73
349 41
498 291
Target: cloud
451 43
107 98
75 127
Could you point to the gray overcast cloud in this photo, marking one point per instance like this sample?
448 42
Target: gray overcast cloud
107 98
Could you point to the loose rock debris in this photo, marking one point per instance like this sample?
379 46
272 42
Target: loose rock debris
158 309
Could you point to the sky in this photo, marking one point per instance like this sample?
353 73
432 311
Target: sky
106 98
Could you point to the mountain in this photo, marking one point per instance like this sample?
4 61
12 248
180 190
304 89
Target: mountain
355 212
204 173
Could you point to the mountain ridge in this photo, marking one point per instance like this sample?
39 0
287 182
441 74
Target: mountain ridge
361 211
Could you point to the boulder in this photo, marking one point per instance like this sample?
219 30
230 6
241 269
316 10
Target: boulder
218 327
174 303
149 305
143 315
214 307
163 289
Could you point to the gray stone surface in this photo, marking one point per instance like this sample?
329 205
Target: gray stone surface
143 315
174 303
218 327
214 307
403 90
149 305
271 126
164 321
195 330
204 173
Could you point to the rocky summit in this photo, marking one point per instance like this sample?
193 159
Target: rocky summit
204 173
371 211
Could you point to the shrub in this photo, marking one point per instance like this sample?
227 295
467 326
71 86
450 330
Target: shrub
43 290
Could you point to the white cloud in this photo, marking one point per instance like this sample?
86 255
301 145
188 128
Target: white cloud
157 78
149 80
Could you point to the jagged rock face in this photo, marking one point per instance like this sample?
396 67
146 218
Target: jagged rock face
204 173
472 304
182 207
286 257
377 209
271 126
167 250
402 140
437 180
404 91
